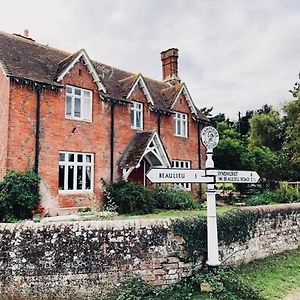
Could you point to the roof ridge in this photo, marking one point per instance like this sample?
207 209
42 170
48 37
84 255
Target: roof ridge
32 42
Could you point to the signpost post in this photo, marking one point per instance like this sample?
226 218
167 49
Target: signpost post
210 139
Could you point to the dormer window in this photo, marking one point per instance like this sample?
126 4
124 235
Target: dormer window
136 115
78 104
180 124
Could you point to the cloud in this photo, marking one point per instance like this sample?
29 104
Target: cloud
234 55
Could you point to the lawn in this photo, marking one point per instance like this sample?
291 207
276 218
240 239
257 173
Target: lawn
165 214
276 276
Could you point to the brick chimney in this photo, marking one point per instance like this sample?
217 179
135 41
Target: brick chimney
169 59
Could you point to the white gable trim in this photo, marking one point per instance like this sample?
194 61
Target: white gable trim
140 80
188 97
90 67
158 151
161 154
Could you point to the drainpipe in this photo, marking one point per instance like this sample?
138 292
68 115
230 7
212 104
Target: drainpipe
37 130
158 124
112 134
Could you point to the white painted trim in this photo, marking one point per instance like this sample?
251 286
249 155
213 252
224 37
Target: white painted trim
164 154
90 66
188 97
143 87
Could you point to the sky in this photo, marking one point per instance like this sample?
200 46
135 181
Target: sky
234 55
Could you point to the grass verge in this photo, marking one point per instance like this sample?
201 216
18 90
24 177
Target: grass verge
275 276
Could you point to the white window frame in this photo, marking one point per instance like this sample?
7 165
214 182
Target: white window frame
182 164
180 124
135 109
85 111
84 164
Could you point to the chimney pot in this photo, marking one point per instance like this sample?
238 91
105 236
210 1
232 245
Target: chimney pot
169 60
26 33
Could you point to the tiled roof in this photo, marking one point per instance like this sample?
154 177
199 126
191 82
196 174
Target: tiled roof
26 59
135 149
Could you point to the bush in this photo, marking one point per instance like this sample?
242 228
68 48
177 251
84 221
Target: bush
286 194
283 194
18 195
167 198
129 197
261 199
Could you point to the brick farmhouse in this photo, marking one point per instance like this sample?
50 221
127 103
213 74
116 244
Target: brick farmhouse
78 122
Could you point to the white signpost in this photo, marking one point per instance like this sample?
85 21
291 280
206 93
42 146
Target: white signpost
177 175
233 176
210 139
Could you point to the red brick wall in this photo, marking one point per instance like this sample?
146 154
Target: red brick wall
180 148
123 131
4 116
60 134
21 132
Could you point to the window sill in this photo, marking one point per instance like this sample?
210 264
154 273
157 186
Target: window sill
77 119
181 136
70 193
137 128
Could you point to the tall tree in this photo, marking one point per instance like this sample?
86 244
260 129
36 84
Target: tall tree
266 130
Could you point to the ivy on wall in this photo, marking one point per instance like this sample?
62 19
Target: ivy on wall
234 226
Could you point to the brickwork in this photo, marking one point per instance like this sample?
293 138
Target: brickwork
4 108
85 260
60 134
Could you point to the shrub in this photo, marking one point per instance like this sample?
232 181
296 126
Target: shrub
18 195
261 199
129 197
286 194
283 194
168 198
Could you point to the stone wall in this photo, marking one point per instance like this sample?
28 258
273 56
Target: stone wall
84 260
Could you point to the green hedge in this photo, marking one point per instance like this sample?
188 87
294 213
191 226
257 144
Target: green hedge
168 198
283 194
18 195
128 197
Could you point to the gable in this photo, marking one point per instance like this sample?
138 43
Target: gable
184 92
140 83
67 64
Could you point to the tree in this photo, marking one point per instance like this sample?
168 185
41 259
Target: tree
292 134
266 130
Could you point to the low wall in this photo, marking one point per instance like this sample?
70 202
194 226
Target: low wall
85 260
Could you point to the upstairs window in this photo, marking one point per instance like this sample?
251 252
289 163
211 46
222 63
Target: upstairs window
182 164
180 124
136 115
78 104
76 172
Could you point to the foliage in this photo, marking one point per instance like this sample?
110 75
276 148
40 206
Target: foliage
292 137
265 162
224 285
274 275
231 154
129 197
18 195
260 199
233 226
266 130
283 194
170 198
